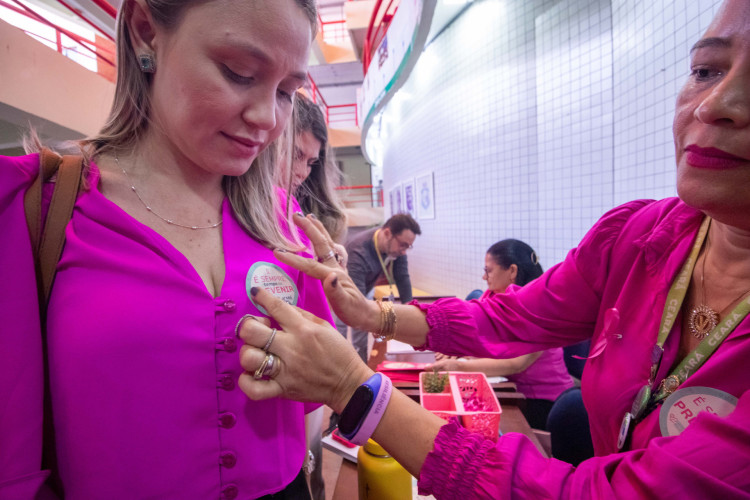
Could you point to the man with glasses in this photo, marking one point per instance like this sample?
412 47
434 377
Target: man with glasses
368 266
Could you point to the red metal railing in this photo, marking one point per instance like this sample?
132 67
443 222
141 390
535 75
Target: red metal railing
106 7
382 15
336 114
78 13
333 31
361 196
102 49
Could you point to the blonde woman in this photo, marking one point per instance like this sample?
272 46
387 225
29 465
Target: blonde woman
176 225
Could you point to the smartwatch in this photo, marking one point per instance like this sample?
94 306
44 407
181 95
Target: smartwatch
365 409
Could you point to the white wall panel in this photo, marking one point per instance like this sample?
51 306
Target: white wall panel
537 116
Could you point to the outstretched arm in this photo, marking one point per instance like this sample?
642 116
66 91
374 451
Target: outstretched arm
490 367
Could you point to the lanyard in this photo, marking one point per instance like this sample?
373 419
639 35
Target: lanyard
388 275
708 345
645 399
677 291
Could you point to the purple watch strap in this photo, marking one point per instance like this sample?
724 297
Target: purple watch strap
372 419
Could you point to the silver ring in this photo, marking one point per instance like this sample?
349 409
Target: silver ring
270 341
239 324
269 367
330 255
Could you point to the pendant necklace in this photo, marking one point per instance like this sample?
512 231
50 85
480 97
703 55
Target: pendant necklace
148 207
702 318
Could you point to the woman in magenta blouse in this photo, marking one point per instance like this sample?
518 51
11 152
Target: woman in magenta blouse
662 289
175 226
541 376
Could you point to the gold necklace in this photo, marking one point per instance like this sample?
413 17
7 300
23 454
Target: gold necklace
702 318
148 207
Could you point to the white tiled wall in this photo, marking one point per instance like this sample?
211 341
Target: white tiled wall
536 117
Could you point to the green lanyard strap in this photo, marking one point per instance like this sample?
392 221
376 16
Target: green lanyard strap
388 275
708 345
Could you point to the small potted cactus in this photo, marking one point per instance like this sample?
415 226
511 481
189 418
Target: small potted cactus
434 382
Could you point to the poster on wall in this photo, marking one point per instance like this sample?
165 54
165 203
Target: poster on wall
425 195
392 202
410 198
397 195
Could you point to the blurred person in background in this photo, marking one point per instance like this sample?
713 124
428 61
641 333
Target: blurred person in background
310 173
541 376
379 254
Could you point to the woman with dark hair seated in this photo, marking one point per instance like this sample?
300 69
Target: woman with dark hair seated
541 376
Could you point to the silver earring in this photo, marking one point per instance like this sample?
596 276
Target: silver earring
147 63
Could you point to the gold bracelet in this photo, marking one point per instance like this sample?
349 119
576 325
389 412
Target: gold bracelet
387 328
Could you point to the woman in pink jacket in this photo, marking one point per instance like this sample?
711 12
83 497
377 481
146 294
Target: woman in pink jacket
660 287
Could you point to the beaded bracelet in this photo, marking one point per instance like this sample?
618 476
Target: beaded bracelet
387 328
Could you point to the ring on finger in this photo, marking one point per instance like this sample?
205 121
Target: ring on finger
270 341
330 255
264 370
239 324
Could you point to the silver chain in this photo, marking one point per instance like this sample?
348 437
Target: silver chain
148 207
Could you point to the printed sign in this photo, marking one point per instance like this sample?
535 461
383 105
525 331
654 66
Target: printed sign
410 198
425 195
273 279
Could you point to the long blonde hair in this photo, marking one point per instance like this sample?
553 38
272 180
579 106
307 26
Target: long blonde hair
252 195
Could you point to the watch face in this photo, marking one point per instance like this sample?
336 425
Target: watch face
355 410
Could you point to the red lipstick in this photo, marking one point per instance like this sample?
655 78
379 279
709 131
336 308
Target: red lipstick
713 158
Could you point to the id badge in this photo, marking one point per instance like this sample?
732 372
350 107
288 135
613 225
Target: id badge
683 405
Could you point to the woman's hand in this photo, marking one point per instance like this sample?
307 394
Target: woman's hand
313 362
445 363
347 301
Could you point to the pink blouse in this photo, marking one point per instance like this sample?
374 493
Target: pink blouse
627 261
143 360
546 378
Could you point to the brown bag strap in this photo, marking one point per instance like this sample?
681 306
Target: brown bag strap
47 242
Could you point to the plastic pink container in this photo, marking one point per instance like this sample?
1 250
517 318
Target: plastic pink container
467 396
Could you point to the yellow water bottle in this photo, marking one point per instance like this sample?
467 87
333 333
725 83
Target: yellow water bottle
380 476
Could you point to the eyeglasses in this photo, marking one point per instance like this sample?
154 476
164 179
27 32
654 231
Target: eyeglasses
402 244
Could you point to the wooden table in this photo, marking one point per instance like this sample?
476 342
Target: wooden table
511 420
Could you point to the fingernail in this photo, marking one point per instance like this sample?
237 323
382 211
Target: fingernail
335 281
254 291
299 214
282 250
313 215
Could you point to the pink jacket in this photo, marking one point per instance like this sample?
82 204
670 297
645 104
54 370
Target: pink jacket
143 360
628 262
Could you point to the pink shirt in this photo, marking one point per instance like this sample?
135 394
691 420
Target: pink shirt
546 378
627 261
143 360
